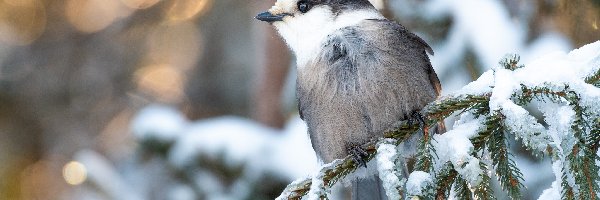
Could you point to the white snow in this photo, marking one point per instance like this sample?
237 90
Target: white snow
287 153
181 192
481 86
455 146
386 157
483 27
557 167
317 188
559 119
492 36
417 182
158 122
504 86
105 177
292 153
537 175
560 68
286 193
554 71
587 54
552 193
544 44
238 140
525 126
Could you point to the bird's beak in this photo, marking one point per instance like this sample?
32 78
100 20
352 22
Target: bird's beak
268 17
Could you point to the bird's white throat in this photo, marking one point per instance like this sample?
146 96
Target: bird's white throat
305 33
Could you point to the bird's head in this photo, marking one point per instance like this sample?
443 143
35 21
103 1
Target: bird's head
304 24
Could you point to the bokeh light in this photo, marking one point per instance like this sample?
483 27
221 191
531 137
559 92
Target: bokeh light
139 4
172 49
74 173
21 21
93 15
42 180
164 82
176 44
180 10
114 140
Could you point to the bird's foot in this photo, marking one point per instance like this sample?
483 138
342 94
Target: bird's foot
359 155
416 117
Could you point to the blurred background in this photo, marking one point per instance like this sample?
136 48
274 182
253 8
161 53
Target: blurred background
194 99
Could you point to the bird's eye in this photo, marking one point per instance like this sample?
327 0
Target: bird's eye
303 6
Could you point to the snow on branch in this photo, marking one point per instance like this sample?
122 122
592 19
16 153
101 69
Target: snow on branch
565 88
386 159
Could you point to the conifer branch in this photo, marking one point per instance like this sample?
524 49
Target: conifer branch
594 79
580 174
567 189
425 150
587 177
594 136
494 139
511 62
461 189
484 190
435 111
347 165
445 178
445 106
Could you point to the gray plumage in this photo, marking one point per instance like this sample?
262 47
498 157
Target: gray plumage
358 74
366 78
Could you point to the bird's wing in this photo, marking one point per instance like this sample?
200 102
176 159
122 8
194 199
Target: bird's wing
384 65
393 36
419 44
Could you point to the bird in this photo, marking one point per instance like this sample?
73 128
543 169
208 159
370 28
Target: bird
357 74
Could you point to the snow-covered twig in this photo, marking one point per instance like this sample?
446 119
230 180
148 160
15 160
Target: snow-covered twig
434 112
388 173
566 86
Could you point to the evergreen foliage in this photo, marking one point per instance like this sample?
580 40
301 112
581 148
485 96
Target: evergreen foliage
574 149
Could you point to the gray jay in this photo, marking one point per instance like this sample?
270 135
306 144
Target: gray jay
358 73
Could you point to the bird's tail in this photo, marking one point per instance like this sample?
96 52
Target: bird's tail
369 188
